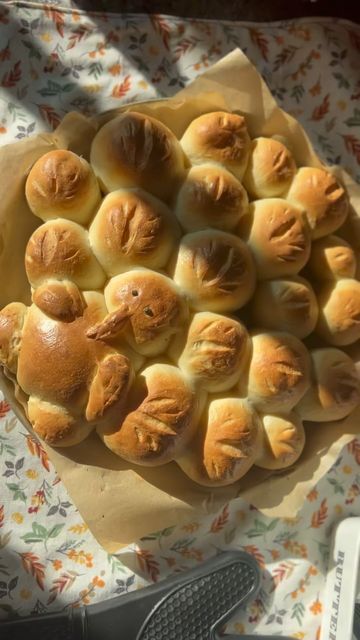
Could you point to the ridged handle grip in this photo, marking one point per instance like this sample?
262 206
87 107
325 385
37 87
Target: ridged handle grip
64 625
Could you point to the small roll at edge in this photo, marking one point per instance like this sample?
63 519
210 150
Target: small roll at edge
339 312
335 387
331 258
225 445
282 441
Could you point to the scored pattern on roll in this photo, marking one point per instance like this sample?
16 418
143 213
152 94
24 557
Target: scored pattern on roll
173 281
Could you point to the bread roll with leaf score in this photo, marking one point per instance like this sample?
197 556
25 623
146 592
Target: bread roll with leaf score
282 441
136 150
339 312
60 249
279 372
332 258
216 352
132 228
323 199
215 270
210 197
72 382
278 236
162 416
335 387
218 137
12 319
146 308
270 169
287 304
225 445
62 185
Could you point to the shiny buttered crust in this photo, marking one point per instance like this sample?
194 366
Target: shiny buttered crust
335 387
134 150
62 185
172 281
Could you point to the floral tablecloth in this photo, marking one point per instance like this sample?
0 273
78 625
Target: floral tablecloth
55 59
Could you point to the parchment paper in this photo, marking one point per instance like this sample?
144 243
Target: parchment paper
121 502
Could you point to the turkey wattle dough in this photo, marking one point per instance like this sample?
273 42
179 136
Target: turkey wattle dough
136 150
133 228
215 270
62 185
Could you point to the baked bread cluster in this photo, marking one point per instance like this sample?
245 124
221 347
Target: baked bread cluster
190 298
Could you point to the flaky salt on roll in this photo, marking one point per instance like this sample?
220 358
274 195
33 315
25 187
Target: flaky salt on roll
335 387
282 440
339 312
225 445
287 304
162 416
60 249
215 270
146 308
72 382
332 258
216 352
279 372
323 199
270 169
62 185
218 137
278 236
210 197
136 150
132 228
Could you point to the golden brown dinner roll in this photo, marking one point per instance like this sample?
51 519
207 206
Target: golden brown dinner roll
136 150
72 380
270 169
287 304
132 228
216 352
62 185
279 372
225 445
323 199
60 249
219 137
11 323
335 387
278 237
339 312
282 441
331 258
215 270
145 307
210 197
162 416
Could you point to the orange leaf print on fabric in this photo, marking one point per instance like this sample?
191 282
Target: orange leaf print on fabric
353 145
316 607
185 46
79 528
306 65
32 565
352 493
115 69
2 515
319 517
312 495
79 34
36 449
162 28
221 520
49 114
254 551
321 110
296 548
315 90
81 557
260 41
354 449
191 527
12 77
354 39
282 572
57 17
5 53
62 583
148 564
120 90
4 408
